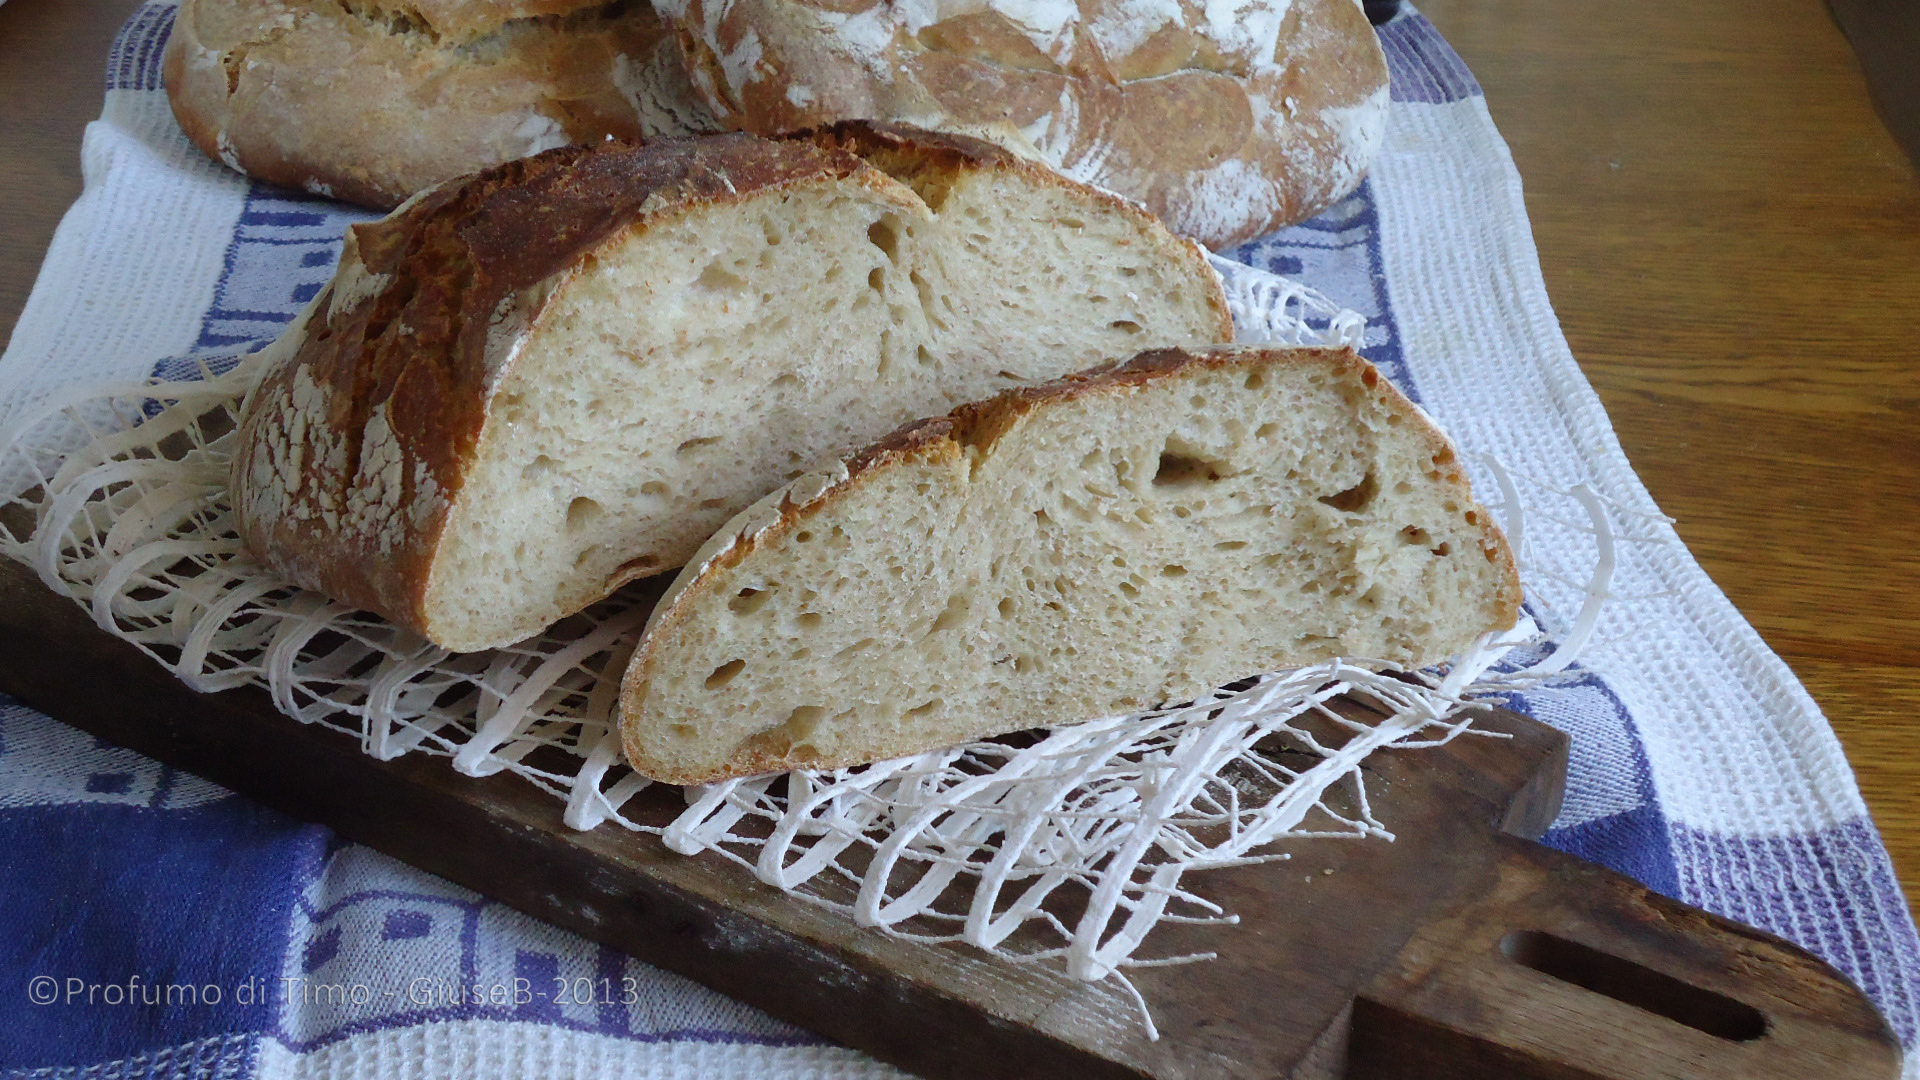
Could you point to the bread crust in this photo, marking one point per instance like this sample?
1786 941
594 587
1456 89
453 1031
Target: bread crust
372 406
373 100
969 432
362 429
1227 121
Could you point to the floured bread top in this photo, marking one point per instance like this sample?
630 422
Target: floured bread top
1227 118
373 100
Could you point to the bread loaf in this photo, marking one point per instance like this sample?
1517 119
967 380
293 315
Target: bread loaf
1116 540
373 100
526 388
1227 119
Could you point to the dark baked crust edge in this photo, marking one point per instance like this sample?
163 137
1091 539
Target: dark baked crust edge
972 429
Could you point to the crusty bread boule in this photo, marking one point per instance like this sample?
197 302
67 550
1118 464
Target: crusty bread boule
373 100
1228 120
1116 540
526 388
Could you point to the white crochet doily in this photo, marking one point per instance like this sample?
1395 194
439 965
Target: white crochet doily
118 500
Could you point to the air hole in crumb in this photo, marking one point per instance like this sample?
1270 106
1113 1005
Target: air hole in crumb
790 735
807 620
921 354
857 647
537 468
582 512
1006 608
748 601
784 380
877 279
724 674
1230 545
883 235
802 537
953 616
1256 380
923 708
653 487
1415 536
1182 470
1443 550
694 444
1173 570
1128 588
1126 326
1266 431
1371 376
1473 518
719 278
638 566
1356 498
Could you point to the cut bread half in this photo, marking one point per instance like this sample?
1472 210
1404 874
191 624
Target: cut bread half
1112 541
527 387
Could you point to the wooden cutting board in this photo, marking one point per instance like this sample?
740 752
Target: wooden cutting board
1462 949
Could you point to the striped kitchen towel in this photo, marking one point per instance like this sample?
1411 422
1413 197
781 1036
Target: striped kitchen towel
157 925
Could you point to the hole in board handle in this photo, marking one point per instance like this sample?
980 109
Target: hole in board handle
1641 987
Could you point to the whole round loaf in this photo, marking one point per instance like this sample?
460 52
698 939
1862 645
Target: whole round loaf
373 100
1227 118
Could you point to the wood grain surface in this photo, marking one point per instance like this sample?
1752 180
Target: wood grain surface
1731 240
1461 951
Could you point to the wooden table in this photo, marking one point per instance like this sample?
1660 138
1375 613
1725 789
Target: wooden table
1730 237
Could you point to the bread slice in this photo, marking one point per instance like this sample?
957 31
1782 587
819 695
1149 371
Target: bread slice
1115 540
527 388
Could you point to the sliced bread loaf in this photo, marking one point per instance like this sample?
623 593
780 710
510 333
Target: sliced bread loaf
1116 540
530 386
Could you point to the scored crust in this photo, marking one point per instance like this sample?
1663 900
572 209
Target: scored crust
376 405
964 439
1227 121
374 376
373 100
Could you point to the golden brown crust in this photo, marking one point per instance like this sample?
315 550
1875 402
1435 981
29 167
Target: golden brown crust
372 100
407 361
971 430
1225 127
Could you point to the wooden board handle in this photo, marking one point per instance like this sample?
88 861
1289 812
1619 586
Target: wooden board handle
1567 970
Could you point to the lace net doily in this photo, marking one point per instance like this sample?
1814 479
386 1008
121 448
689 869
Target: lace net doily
117 499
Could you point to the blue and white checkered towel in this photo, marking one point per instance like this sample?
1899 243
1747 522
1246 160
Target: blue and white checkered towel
155 925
